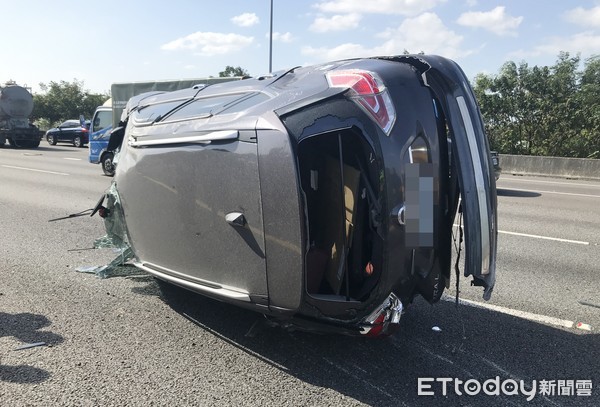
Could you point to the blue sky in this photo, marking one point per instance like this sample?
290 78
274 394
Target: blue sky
120 41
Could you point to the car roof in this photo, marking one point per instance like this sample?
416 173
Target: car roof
75 121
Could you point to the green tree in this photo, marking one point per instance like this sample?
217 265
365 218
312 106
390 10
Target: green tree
231 71
64 100
589 105
543 110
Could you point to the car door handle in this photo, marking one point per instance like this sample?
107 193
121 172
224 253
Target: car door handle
236 219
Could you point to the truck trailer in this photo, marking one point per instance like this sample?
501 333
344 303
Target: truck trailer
16 105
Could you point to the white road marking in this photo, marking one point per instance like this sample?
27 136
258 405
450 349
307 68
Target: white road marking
552 192
545 237
33 169
551 182
358 378
73 159
512 376
557 239
435 355
515 313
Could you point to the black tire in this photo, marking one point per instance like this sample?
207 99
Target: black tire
107 164
51 139
34 144
77 141
17 143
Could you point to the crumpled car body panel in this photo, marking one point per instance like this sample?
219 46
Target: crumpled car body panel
323 197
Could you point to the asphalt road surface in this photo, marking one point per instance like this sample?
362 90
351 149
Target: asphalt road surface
129 340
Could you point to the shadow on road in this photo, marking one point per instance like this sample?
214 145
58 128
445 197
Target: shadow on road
23 374
25 328
517 194
473 344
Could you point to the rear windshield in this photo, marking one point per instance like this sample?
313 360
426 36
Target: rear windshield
220 104
153 113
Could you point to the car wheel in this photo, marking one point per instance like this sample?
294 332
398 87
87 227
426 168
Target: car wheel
34 143
107 164
17 143
77 142
29 144
51 139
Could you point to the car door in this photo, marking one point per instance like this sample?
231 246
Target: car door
470 147
100 128
66 131
193 203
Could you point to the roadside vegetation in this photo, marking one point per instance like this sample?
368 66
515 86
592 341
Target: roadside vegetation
543 110
60 101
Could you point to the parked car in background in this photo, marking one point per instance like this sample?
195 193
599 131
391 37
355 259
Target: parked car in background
496 163
323 197
70 131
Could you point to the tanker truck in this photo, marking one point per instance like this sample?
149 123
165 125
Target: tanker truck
16 105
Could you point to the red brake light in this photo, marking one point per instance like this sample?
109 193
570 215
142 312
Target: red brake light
378 325
369 91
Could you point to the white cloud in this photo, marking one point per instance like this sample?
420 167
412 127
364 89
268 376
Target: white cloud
245 20
586 43
281 37
425 33
209 43
401 7
496 21
583 17
338 22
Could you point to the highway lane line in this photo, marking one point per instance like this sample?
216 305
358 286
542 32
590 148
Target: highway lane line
73 159
551 192
33 169
512 376
556 239
550 182
357 378
513 312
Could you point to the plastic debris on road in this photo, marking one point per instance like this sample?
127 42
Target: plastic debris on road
30 345
582 326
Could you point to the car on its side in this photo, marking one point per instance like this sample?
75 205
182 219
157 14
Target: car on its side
323 197
70 131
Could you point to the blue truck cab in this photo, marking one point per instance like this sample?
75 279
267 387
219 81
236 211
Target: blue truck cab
100 128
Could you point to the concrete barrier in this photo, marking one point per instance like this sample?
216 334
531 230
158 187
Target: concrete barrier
581 168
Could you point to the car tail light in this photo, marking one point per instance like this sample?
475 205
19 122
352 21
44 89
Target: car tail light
370 93
377 327
385 319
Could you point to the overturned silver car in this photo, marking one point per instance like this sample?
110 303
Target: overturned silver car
323 197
